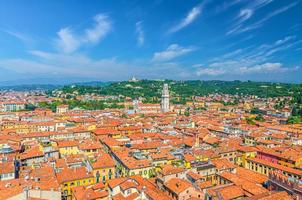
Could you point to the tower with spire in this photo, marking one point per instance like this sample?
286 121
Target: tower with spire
165 99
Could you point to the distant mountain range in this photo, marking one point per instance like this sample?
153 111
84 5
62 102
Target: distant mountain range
46 81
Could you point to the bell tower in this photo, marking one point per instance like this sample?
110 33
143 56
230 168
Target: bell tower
165 99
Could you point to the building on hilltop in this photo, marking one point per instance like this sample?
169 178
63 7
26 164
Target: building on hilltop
133 79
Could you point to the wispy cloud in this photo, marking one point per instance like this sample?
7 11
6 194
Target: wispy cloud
173 51
231 54
68 41
239 28
190 17
246 13
20 36
65 65
266 51
226 4
256 4
140 33
284 40
282 48
251 60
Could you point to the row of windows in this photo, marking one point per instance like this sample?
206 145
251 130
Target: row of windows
70 148
141 172
230 154
7 175
159 164
104 171
78 183
265 168
210 171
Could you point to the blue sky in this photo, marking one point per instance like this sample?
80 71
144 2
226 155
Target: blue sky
76 40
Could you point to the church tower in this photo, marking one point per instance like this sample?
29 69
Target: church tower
165 98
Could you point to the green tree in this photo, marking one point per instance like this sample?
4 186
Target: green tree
187 112
260 118
255 111
294 120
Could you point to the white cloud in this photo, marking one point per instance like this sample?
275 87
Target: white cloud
140 33
173 51
69 42
245 14
190 17
267 68
243 68
210 72
100 30
224 63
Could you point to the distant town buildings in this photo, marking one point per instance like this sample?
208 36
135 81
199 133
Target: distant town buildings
206 148
62 109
